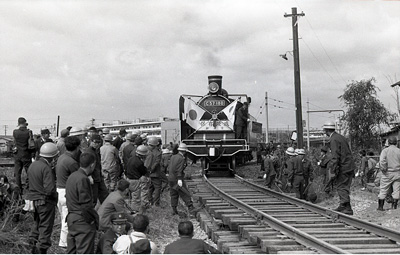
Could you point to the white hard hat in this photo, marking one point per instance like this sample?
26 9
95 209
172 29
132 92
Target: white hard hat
48 150
301 152
76 131
329 125
290 151
182 147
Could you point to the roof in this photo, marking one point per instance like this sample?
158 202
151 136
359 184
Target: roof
396 84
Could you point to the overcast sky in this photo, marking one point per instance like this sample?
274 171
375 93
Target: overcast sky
121 60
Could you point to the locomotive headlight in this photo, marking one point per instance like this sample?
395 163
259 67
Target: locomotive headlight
213 87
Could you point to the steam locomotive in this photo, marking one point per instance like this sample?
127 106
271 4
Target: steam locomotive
207 125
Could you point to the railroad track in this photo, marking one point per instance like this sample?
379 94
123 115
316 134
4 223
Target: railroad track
6 162
243 217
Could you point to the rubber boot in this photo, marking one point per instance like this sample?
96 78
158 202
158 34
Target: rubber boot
394 204
381 202
347 210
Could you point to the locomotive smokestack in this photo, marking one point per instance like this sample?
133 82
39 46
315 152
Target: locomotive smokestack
214 80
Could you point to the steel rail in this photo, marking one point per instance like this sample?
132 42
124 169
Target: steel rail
368 226
298 235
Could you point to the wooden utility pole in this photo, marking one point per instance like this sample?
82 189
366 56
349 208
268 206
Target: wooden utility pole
297 87
266 115
58 124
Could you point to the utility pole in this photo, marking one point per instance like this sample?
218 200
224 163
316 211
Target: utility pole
266 115
297 87
92 121
308 124
5 130
58 124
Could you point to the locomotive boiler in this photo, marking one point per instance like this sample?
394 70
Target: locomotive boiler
207 127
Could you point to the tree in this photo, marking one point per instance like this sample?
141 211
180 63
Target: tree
365 113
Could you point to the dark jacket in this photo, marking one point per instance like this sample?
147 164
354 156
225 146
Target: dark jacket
79 192
106 242
342 159
308 171
241 117
135 168
66 165
127 152
153 163
42 183
176 168
96 175
294 167
118 141
21 137
187 245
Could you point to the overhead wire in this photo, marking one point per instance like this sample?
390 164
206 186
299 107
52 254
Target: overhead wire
326 53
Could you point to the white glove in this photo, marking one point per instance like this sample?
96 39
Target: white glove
265 176
91 180
180 183
318 163
248 120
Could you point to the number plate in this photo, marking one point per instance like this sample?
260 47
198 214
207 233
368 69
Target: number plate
214 103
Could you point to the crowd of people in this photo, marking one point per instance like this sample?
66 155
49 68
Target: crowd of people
99 184
290 170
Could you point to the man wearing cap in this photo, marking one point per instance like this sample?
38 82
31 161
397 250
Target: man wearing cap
176 178
153 165
296 174
242 117
119 140
343 166
117 229
186 244
99 189
22 153
389 162
42 191
39 142
110 163
66 165
140 229
61 141
269 170
137 175
288 167
82 219
115 202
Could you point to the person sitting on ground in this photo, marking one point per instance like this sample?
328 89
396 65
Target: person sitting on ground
141 246
140 229
119 227
9 194
186 244
115 203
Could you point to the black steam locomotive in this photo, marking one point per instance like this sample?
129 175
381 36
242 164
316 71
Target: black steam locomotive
207 125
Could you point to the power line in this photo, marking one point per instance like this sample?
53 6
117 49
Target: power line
323 67
326 53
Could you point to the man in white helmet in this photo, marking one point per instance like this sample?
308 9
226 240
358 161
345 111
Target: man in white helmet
42 191
343 166
137 176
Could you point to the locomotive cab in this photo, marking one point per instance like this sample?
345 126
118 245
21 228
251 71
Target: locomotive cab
208 128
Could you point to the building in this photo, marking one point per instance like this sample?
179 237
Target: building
163 127
6 143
